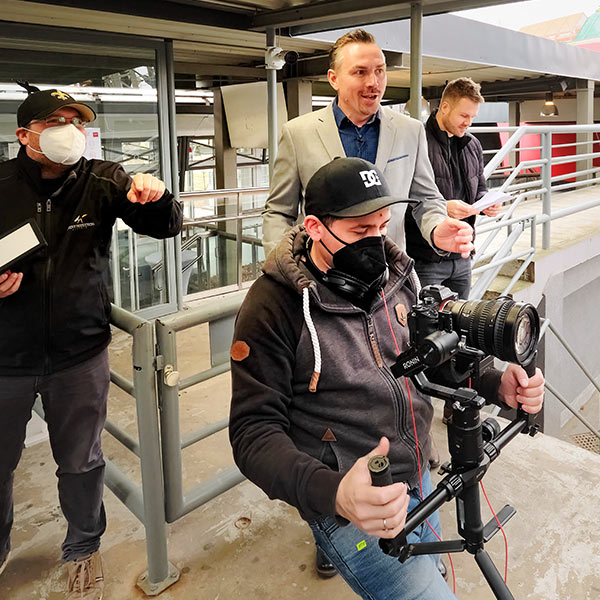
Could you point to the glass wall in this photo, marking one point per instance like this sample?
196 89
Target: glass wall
118 78
221 240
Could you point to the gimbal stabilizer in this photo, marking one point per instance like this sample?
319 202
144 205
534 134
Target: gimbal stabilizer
473 447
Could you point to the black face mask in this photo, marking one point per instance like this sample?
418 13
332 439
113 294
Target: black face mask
361 265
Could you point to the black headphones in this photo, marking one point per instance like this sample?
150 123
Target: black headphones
347 284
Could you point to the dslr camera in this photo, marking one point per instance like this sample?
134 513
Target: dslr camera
452 340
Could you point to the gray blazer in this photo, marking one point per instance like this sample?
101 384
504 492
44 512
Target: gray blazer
312 140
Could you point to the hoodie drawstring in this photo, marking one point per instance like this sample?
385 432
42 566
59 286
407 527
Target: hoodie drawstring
314 380
416 282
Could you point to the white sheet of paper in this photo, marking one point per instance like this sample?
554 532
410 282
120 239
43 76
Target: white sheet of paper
490 198
93 143
17 243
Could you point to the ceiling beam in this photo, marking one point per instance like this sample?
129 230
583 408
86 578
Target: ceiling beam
326 11
513 87
199 13
226 70
338 14
59 60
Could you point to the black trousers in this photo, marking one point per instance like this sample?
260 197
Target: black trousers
74 403
453 273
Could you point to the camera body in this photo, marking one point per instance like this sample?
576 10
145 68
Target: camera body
454 339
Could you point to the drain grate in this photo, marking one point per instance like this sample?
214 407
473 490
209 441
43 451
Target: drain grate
587 441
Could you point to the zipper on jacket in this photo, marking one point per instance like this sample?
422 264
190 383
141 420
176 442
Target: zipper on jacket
399 396
47 287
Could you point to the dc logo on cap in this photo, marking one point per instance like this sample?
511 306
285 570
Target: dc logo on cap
370 178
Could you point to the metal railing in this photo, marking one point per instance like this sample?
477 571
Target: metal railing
543 186
147 503
219 315
576 413
155 387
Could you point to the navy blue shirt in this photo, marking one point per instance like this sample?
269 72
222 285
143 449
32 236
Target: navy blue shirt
362 141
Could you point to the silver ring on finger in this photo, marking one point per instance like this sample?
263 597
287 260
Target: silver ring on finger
385 527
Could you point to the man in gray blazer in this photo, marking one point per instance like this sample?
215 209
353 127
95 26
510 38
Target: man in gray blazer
355 125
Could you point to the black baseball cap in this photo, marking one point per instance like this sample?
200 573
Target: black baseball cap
347 187
40 105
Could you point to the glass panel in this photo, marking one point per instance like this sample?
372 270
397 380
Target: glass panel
253 254
120 84
208 245
221 239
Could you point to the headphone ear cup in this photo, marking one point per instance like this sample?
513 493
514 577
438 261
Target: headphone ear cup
346 283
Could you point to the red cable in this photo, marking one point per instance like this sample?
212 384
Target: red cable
502 530
387 312
499 525
412 413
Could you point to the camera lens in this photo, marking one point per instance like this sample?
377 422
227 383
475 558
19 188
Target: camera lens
507 329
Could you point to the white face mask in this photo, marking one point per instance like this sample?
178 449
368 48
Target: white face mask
63 144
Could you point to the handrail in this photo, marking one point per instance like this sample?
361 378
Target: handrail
519 132
219 315
544 186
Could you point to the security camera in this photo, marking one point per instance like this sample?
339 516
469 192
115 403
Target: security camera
275 58
291 57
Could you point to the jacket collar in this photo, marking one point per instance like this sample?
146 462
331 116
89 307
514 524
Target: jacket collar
285 265
33 169
442 137
328 132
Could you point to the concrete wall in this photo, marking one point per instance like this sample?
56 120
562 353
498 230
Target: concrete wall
569 281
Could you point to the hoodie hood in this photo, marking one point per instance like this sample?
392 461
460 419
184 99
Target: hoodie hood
285 265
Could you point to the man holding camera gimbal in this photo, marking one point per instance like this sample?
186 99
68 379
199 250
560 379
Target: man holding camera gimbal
313 394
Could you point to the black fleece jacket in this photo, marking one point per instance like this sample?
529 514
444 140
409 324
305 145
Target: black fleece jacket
60 315
446 155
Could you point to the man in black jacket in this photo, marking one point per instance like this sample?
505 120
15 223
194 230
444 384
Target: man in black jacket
457 160
55 312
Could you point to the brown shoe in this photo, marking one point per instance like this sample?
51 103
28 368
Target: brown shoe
434 455
86 580
3 563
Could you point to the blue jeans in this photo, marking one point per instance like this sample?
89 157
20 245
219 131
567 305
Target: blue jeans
374 575
453 273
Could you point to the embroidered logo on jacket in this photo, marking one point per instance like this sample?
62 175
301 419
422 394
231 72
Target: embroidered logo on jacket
239 350
80 222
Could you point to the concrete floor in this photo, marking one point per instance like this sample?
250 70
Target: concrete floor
242 545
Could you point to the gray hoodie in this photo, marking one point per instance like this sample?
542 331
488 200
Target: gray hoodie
305 406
